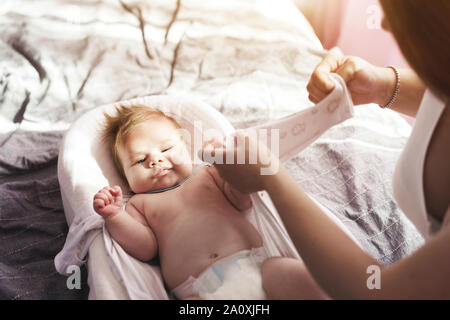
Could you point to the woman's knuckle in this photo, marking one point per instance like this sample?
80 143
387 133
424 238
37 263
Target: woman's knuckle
352 64
315 76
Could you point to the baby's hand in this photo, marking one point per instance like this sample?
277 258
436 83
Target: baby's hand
108 201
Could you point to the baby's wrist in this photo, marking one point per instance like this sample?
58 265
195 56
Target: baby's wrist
111 216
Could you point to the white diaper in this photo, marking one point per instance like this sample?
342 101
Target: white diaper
236 277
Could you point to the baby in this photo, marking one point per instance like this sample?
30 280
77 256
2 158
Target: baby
188 215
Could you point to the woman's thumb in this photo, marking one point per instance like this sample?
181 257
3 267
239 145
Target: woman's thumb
347 71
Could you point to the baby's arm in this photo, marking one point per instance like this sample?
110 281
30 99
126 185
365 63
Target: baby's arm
239 200
127 227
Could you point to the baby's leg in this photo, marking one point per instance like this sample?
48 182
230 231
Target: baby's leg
289 279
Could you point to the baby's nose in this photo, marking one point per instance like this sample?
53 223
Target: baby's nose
157 162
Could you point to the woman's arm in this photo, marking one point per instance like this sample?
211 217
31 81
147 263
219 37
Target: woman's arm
367 83
411 92
340 266
335 261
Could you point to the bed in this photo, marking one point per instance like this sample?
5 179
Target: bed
250 60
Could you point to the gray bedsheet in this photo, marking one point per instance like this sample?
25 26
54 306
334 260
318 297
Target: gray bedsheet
32 222
59 58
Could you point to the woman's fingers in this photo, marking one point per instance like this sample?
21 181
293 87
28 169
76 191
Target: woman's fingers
313 99
321 78
240 149
213 153
316 94
347 70
242 162
321 84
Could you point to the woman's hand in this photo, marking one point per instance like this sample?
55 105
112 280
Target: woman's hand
108 201
366 82
245 165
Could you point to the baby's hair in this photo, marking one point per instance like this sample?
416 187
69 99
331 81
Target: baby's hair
118 126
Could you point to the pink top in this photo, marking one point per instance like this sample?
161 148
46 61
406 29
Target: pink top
408 177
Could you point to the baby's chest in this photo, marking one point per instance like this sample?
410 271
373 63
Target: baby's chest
199 195
193 196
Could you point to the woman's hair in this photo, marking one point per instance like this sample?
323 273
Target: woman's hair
118 126
422 30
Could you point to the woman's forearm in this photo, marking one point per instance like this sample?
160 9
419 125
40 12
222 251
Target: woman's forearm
336 262
411 92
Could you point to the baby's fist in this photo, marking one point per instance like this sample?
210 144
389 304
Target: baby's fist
108 201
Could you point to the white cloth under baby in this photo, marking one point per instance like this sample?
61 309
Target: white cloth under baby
84 167
236 277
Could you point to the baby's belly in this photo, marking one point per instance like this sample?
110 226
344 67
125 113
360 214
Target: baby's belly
194 242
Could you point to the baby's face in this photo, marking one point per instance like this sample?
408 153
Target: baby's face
154 156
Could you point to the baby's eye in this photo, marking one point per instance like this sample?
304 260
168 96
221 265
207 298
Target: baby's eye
141 161
166 149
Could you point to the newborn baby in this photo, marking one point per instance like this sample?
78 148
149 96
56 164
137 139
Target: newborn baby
189 216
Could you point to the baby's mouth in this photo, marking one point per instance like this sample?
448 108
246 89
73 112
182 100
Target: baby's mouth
162 172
